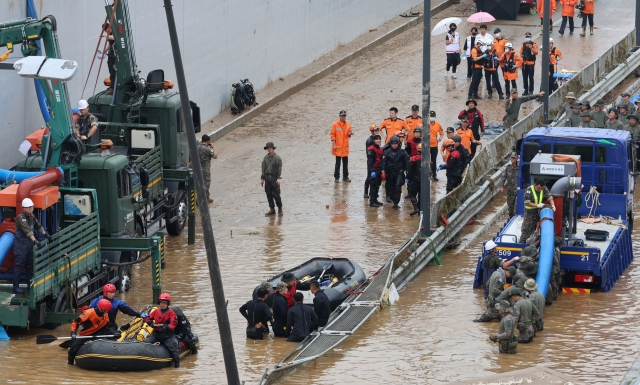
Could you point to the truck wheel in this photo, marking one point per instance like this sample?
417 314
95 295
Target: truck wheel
176 227
124 282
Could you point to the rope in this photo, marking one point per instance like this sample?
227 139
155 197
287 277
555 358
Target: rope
592 201
94 58
106 41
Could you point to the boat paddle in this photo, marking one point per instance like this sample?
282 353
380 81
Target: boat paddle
325 267
47 338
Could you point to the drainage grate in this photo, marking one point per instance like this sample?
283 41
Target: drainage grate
320 345
350 319
375 289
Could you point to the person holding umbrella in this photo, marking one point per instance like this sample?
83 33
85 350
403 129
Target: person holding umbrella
453 49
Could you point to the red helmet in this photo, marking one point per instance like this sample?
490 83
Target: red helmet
164 297
104 305
108 288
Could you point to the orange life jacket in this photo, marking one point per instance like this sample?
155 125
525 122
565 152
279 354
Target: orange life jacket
90 321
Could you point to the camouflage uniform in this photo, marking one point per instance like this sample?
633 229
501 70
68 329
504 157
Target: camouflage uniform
508 342
573 120
511 183
538 302
526 314
271 172
599 118
532 215
206 153
556 272
512 108
496 287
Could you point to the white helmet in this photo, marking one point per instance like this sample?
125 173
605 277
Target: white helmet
508 45
82 104
26 202
550 41
490 245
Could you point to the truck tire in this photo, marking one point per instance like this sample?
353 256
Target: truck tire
176 227
125 276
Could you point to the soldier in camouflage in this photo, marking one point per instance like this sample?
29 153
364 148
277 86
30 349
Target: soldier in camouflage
508 342
556 272
534 196
511 183
574 119
271 172
496 287
526 312
206 153
512 107
538 301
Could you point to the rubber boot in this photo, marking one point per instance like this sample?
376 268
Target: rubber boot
16 287
280 211
366 193
591 30
416 209
194 350
551 28
272 211
584 32
541 29
176 364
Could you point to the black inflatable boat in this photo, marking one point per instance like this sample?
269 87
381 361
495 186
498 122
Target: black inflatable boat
136 350
343 276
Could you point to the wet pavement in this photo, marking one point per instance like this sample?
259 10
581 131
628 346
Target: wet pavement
428 336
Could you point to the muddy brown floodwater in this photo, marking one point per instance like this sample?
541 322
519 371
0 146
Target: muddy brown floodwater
428 336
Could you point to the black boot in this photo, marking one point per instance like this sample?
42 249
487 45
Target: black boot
375 204
395 206
366 193
176 364
388 199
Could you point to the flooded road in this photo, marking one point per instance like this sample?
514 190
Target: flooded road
426 337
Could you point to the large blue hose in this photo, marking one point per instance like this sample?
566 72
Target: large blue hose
6 244
547 237
42 98
9 177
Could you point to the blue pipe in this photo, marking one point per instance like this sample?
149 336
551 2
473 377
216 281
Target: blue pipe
547 237
8 176
6 244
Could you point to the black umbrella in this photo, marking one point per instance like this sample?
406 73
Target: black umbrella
500 9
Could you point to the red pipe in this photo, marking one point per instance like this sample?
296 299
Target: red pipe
557 216
52 176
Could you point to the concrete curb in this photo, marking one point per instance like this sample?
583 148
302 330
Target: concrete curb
244 118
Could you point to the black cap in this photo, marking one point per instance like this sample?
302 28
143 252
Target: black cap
633 117
288 276
497 30
451 129
471 101
432 113
457 138
206 138
417 129
343 113
414 108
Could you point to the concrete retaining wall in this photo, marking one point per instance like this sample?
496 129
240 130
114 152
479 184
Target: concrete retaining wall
222 41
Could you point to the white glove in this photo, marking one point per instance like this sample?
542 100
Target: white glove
516 258
553 208
540 205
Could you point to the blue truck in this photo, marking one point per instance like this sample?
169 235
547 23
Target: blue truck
590 174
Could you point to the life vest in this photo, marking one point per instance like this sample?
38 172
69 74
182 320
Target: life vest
511 65
527 53
90 321
379 152
492 61
537 198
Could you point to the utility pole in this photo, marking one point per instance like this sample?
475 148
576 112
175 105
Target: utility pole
545 60
228 353
425 169
637 22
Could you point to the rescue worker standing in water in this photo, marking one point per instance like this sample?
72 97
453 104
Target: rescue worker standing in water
206 153
26 224
506 338
93 322
394 164
293 285
109 293
374 168
413 180
165 321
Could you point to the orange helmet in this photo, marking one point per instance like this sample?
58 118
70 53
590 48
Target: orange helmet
164 297
104 305
373 127
108 288
419 147
448 142
400 134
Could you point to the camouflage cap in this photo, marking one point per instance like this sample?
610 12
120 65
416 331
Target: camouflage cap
269 144
516 291
632 116
529 251
599 103
514 90
514 155
585 113
281 286
267 286
503 305
512 270
530 284
624 94
520 283
570 95
576 105
585 103
623 105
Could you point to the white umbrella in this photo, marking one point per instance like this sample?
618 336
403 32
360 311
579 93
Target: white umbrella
443 25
